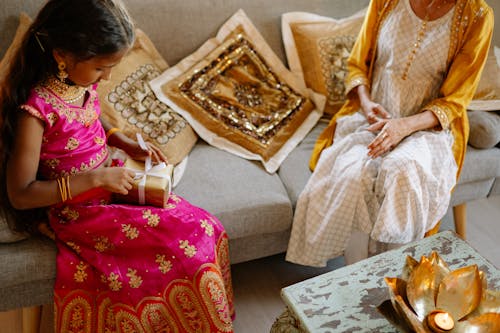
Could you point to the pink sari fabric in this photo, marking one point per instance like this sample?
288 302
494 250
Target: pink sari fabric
126 268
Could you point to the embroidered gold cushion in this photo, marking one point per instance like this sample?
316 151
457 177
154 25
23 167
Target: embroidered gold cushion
239 97
6 234
317 49
128 102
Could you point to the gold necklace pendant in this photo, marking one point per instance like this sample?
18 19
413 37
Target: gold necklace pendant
68 93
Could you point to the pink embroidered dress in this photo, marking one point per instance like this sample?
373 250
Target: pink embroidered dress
126 268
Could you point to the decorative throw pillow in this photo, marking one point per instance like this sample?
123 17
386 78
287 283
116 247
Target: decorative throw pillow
24 24
484 129
238 96
127 102
487 96
317 49
6 234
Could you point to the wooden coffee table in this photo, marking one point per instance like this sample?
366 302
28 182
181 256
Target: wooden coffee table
346 299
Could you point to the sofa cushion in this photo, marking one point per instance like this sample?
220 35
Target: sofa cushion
239 97
317 48
248 200
127 102
487 96
480 164
484 128
294 171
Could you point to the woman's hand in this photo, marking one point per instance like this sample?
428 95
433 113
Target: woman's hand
374 112
114 179
392 131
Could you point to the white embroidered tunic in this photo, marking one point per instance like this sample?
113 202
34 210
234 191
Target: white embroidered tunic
399 196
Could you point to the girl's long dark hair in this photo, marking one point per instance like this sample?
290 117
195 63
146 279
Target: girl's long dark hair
83 28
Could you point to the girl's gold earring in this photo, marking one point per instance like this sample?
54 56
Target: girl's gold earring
62 75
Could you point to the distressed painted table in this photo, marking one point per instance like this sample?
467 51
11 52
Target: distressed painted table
346 299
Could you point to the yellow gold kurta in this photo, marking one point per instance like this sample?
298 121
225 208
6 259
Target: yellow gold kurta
471 32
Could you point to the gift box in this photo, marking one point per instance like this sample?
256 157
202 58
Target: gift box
152 184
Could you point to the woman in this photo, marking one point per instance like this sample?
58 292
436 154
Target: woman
386 164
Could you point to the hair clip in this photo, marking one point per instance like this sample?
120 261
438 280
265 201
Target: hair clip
36 33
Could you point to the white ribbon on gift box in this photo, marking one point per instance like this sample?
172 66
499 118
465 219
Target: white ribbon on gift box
149 170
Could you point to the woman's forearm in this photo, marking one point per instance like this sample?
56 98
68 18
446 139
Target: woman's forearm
421 121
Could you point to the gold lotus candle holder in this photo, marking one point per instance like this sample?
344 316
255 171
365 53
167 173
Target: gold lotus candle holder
429 297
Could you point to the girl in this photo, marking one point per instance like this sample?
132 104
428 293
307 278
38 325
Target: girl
385 166
119 267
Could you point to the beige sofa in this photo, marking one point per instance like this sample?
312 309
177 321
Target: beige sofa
255 207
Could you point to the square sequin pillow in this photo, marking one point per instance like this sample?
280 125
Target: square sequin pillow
317 48
239 97
128 102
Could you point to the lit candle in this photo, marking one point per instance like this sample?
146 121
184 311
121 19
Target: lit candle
444 321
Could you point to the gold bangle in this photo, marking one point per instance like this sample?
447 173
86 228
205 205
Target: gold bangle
112 131
68 190
62 189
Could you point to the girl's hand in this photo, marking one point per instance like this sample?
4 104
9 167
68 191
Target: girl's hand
114 179
135 151
374 112
392 131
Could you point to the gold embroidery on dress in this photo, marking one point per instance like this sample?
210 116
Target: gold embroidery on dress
135 280
72 144
189 250
213 295
102 244
86 116
158 318
69 214
106 316
164 265
99 157
32 111
100 141
52 163
127 323
334 52
130 232
175 198
225 266
52 118
75 247
209 229
114 282
81 274
136 102
240 90
188 309
153 219
77 316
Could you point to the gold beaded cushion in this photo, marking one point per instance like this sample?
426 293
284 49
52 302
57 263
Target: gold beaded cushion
317 48
6 234
128 103
239 97
487 96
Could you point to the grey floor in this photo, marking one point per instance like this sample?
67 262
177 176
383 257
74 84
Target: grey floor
257 283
